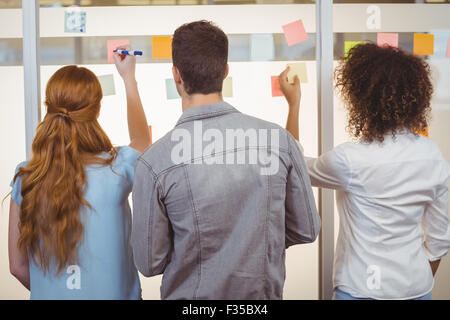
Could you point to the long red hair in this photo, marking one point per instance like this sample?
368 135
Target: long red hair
66 140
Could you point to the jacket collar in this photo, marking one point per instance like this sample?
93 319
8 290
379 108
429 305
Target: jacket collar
206 111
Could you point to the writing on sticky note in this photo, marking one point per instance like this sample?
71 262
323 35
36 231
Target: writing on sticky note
276 92
107 84
299 70
162 47
448 48
294 32
171 90
227 87
262 47
387 39
423 44
113 45
348 45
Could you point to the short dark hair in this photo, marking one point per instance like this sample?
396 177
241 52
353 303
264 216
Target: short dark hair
200 53
385 90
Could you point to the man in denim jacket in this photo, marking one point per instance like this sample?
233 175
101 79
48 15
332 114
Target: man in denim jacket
220 197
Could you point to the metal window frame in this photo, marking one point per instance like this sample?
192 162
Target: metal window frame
324 60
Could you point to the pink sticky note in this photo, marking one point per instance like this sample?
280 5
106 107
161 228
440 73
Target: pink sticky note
389 39
276 92
113 44
448 48
295 32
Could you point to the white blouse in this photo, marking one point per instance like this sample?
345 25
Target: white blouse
393 204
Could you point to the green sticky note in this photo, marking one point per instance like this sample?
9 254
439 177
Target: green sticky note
298 69
107 83
350 44
171 90
227 87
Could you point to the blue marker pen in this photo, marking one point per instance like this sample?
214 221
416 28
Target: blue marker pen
130 53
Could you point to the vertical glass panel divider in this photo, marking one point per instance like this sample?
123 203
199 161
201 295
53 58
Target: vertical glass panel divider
31 70
324 55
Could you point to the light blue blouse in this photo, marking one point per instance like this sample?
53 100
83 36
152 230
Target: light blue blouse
105 269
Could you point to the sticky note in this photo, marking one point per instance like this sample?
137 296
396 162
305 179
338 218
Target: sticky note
448 48
162 47
389 39
150 131
298 69
295 32
171 90
423 132
107 83
350 44
113 44
227 87
262 47
75 21
423 44
276 92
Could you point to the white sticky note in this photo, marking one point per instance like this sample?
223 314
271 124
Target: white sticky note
262 47
107 83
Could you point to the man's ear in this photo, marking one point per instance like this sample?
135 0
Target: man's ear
226 72
176 75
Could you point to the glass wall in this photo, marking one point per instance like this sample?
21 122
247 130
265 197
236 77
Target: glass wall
12 130
429 17
257 52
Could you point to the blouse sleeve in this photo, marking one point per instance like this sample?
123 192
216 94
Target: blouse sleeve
128 158
331 170
16 193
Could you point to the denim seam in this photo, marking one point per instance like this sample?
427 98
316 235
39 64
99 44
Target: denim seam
266 237
205 115
211 155
195 216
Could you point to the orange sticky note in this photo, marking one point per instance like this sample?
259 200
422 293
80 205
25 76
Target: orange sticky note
423 44
150 130
448 48
423 133
162 47
276 92
295 32
113 44
387 39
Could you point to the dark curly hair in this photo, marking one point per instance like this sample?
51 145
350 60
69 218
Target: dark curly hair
385 90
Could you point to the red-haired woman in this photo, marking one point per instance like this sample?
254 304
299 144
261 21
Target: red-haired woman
392 184
70 220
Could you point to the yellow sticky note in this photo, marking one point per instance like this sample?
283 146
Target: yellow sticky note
350 44
162 47
423 44
227 87
298 69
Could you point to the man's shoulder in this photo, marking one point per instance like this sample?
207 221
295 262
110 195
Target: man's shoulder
158 155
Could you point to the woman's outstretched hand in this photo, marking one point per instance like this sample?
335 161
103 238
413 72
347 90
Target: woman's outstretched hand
125 64
291 91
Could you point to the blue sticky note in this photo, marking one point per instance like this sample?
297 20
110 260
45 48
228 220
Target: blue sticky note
262 47
171 90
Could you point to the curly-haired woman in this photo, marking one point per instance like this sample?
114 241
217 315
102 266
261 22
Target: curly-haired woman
391 183
70 222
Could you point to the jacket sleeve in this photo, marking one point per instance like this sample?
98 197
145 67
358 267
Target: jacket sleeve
151 235
302 220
